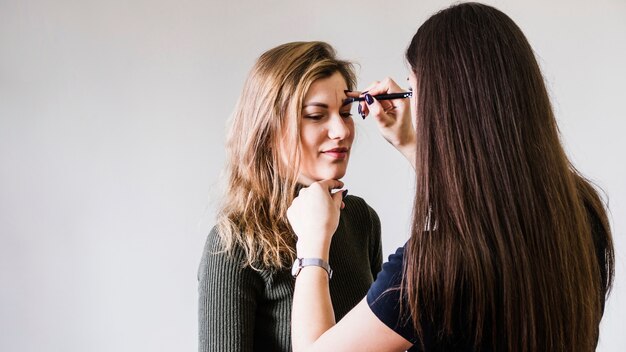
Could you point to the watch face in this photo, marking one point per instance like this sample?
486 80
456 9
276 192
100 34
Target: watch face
295 268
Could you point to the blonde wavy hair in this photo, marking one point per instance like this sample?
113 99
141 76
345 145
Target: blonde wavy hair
263 150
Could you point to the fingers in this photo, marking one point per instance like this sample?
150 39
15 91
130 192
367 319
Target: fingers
374 107
323 187
373 86
329 185
338 199
352 94
383 114
388 85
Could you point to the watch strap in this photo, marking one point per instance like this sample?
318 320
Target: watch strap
302 262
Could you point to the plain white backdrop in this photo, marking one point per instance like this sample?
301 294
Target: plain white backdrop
112 124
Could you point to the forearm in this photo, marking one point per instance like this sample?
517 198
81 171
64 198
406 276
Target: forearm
312 314
408 151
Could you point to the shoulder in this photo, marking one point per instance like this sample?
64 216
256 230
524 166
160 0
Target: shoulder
217 259
384 297
361 217
215 245
225 272
358 207
355 201
390 277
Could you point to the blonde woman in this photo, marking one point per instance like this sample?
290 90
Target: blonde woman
289 129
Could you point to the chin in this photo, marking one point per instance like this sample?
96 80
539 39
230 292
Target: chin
325 172
332 174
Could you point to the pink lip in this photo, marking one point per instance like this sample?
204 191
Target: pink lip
337 153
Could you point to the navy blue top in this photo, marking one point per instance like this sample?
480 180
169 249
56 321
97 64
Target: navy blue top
383 298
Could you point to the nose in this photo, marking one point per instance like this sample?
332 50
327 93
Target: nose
339 127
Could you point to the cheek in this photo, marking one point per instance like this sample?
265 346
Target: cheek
310 140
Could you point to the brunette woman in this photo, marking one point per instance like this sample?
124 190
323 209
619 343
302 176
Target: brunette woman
510 248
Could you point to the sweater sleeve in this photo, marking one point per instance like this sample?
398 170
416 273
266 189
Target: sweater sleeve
227 300
376 248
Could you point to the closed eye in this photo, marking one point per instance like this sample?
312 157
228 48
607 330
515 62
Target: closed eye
314 117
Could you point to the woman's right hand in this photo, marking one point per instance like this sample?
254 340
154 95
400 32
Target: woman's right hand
393 117
314 217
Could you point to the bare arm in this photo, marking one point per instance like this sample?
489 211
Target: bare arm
314 328
312 319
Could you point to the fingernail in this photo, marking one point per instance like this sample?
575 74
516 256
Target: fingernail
360 111
344 194
364 92
368 99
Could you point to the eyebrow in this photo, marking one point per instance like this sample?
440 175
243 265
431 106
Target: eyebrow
322 105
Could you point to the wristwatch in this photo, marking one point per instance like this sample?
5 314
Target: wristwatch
300 263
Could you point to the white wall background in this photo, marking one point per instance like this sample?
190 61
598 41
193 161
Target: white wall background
112 120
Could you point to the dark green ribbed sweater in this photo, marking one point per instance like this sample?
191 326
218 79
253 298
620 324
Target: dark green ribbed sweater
241 309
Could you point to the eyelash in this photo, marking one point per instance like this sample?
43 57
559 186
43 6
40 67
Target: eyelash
317 117
314 117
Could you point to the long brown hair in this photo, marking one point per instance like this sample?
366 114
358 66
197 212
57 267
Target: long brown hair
263 149
511 247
